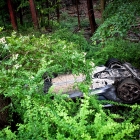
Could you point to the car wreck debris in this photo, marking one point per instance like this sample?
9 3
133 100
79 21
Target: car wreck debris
115 81
122 77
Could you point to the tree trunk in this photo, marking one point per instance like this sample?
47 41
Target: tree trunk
34 15
21 16
102 8
57 10
74 2
93 24
77 7
2 18
48 15
12 15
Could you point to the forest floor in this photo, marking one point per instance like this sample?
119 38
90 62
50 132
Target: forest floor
72 10
83 14
133 35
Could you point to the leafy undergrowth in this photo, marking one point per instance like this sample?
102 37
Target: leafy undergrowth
123 50
118 36
24 59
35 115
44 118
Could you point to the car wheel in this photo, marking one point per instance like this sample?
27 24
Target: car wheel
128 90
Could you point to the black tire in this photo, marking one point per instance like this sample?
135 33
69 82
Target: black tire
113 63
128 90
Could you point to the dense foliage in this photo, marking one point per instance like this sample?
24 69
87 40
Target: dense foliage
46 12
112 39
25 57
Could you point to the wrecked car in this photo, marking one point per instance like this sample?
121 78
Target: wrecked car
114 81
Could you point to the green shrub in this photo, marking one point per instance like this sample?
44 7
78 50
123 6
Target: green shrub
123 50
77 39
119 17
25 58
109 40
61 118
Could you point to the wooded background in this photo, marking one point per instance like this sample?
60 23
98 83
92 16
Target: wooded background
16 12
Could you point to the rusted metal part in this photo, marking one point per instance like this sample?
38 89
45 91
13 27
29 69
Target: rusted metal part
12 15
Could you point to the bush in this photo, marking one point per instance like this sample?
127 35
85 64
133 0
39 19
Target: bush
110 39
61 118
123 50
25 58
119 17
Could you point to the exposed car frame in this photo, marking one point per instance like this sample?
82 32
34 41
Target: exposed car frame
115 81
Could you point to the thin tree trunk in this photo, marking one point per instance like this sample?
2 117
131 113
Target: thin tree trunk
78 14
57 11
34 15
21 16
102 8
93 24
74 2
12 15
48 15
2 18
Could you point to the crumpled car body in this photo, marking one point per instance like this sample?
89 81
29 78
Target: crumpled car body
117 81
114 81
